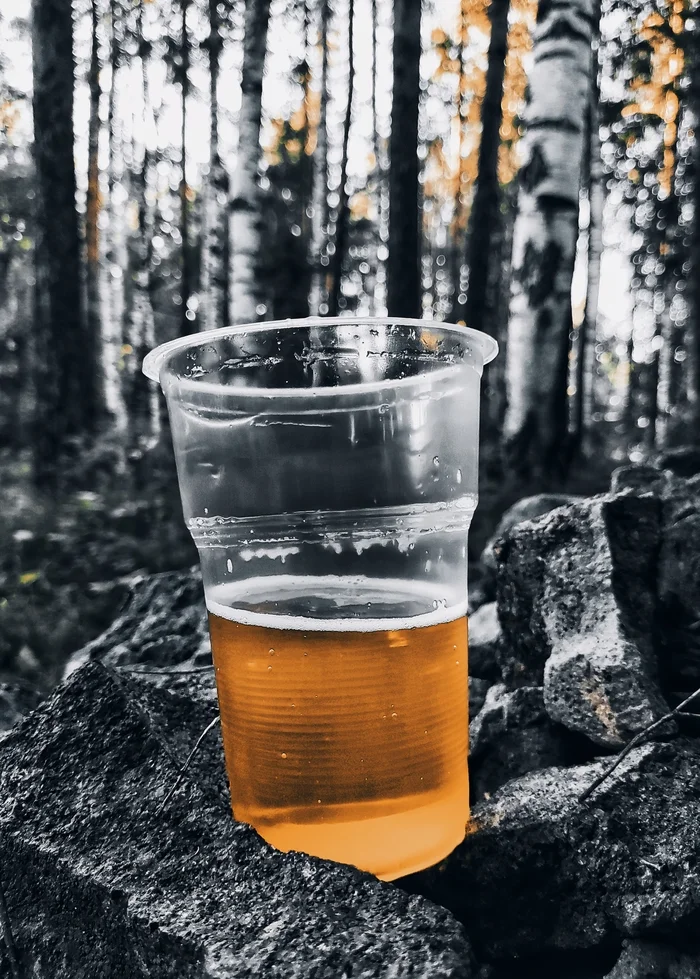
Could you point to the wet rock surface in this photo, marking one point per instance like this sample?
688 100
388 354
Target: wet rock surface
100 882
649 960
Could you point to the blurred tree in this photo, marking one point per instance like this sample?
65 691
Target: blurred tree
545 237
341 223
248 299
215 249
485 212
318 146
93 204
403 264
184 72
65 358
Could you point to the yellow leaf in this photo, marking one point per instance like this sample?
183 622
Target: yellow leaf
28 577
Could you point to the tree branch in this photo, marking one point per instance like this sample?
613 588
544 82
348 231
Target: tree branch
637 740
184 768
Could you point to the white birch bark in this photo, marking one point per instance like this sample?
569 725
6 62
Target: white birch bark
247 292
595 254
319 193
545 233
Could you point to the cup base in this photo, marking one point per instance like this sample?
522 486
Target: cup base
419 832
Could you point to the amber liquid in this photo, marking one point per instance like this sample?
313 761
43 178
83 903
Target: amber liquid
349 745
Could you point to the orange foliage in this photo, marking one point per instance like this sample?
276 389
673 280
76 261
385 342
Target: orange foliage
523 14
658 97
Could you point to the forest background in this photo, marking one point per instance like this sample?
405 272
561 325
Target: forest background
169 166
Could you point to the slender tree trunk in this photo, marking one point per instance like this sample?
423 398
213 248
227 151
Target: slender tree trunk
186 281
341 237
664 400
143 400
484 217
66 394
692 362
319 193
403 264
587 353
544 238
214 300
93 206
115 262
247 289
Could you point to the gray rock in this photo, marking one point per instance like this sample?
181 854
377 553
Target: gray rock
684 460
529 508
648 960
100 883
640 479
541 870
576 601
484 637
679 587
511 735
163 623
477 694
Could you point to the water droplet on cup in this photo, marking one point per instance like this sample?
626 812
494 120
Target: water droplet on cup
436 460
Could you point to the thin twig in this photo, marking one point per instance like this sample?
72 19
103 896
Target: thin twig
184 768
636 740
6 933
136 670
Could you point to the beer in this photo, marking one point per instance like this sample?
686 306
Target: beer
346 737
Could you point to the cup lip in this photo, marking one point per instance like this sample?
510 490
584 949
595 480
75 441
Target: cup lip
156 359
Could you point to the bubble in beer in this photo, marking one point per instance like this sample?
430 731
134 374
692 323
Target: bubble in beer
284 754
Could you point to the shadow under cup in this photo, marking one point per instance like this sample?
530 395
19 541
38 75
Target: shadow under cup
328 472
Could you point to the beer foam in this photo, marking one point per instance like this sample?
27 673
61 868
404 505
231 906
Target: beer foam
221 601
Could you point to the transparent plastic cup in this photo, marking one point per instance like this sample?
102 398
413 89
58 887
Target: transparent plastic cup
329 472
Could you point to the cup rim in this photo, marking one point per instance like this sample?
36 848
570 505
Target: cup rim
156 359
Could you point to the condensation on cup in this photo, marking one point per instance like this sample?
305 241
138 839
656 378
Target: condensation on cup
328 472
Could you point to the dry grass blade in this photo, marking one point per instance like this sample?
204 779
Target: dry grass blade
178 782
6 933
137 671
637 740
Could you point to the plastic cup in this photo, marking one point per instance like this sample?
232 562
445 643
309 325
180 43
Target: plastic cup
329 472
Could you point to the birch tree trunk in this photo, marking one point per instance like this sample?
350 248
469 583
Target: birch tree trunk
247 289
186 281
341 236
115 253
596 199
143 402
319 192
544 238
484 217
692 380
403 264
93 206
214 298
66 399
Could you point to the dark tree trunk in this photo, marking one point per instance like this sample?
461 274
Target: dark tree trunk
215 251
484 217
93 207
403 264
186 281
341 235
247 292
692 384
319 192
66 399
